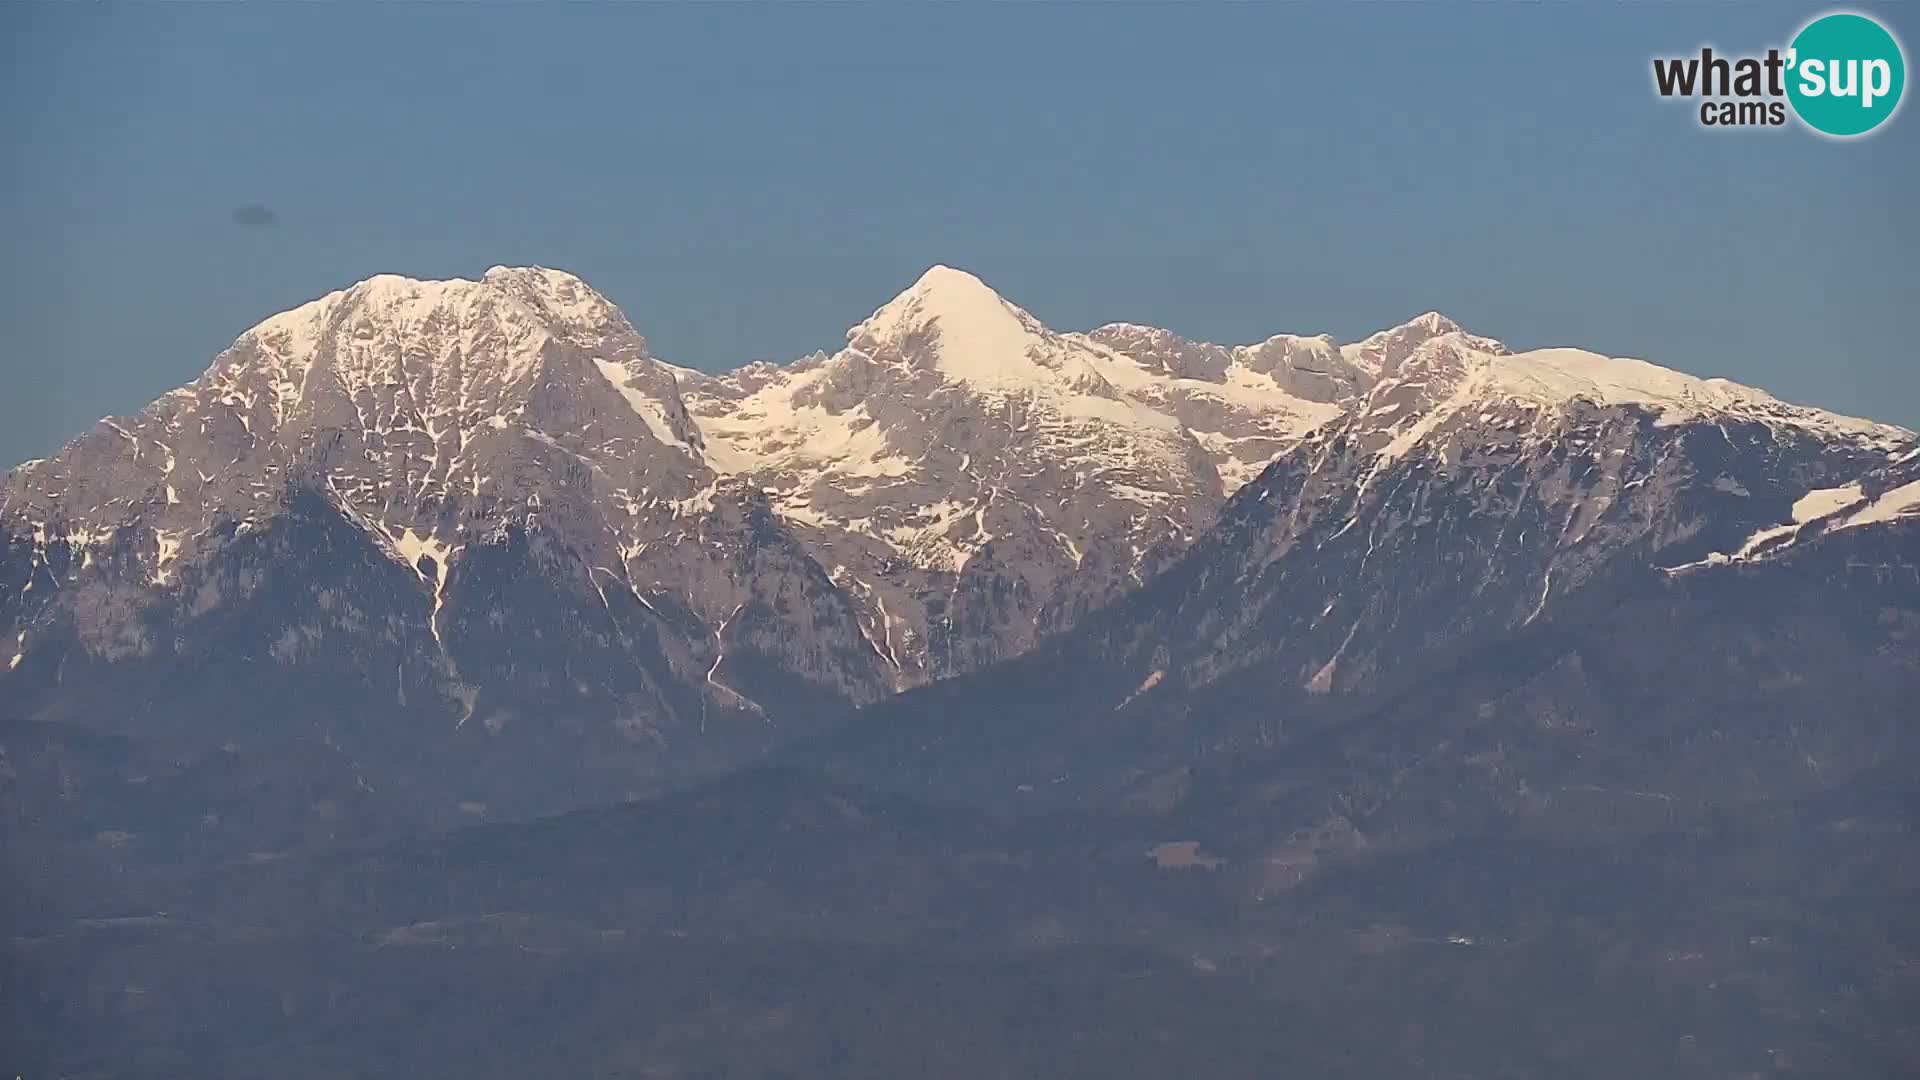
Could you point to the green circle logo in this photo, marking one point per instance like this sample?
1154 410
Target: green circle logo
1844 74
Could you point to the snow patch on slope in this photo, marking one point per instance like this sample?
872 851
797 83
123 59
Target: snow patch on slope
648 408
1821 502
1895 505
412 547
771 430
1833 509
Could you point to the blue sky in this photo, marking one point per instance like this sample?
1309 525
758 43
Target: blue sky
746 181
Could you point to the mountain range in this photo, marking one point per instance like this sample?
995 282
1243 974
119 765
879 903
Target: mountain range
1134 672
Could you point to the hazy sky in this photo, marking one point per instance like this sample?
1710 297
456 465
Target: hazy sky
747 181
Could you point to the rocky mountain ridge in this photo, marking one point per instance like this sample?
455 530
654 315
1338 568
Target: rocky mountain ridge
1231 674
695 563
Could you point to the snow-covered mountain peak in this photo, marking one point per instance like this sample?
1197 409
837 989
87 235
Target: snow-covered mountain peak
544 278
436 401
1380 353
1455 378
456 348
1549 376
952 322
1555 375
947 350
564 300
526 302
946 284
1432 322
957 302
